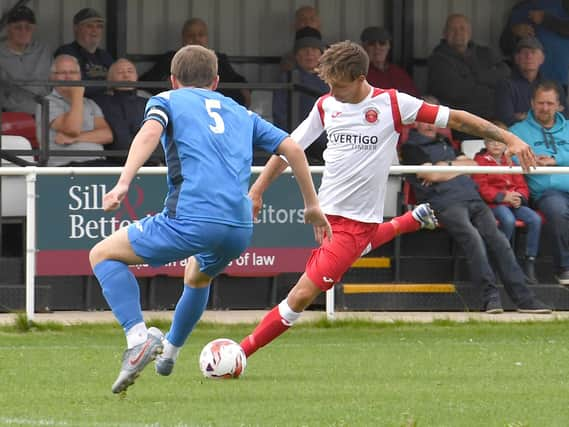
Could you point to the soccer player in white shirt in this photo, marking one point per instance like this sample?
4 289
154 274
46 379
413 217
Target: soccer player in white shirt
363 124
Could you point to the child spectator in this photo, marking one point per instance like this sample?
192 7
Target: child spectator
507 195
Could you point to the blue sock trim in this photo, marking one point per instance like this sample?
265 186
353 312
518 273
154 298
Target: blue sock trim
120 289
189 310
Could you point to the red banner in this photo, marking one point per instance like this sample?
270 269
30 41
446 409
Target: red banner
253 262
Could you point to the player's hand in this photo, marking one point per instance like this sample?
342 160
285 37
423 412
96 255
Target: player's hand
524 153
257 200
112 200
322 229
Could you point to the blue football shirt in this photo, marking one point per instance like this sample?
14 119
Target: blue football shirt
208 142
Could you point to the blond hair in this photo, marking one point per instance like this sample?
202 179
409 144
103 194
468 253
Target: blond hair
343 61
195 66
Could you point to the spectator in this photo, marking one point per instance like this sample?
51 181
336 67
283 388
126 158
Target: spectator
195 32
308 48
547 132
548 20
512 98
123 110
304 16
76 122
22 58
463 74
377 43
508 198
88 25
469 221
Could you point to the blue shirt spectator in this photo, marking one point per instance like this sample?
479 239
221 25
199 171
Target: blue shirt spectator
547 132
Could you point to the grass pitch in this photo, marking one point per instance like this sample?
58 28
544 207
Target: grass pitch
321 374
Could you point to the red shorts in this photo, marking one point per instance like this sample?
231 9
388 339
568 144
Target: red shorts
328 263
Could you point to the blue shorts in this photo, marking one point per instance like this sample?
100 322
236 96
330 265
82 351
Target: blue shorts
159 240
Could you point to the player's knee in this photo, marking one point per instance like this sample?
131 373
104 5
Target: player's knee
95 255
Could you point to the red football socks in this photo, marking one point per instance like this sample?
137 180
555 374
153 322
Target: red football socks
271 326
387 231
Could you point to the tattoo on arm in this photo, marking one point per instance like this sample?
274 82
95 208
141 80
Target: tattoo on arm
481 128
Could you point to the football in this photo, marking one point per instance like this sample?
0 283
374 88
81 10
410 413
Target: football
222 358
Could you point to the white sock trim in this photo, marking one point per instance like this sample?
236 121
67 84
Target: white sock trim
170 350
136 335
287 313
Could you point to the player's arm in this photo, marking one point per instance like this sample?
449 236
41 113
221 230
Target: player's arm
274 167
142 147
474 125
312 212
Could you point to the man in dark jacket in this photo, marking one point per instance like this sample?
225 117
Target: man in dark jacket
123 109
88 26
513 95
468 220
462 74
194 31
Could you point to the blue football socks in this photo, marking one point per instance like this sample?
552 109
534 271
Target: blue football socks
121 291
189 310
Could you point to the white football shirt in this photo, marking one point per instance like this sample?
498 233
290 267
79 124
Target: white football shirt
362 141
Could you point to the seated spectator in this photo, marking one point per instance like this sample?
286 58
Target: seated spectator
304 16
377 43
546 130
308 48
508 198
548 20
75 122
468 220
22 58
463 74
88 26
512 97
123 110
195 31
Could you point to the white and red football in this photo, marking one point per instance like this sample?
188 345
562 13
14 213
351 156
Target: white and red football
222 358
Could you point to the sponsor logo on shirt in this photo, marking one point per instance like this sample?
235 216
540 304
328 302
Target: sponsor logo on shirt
357 141
335 114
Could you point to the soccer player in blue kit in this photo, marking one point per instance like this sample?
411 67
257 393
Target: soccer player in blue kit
208 140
